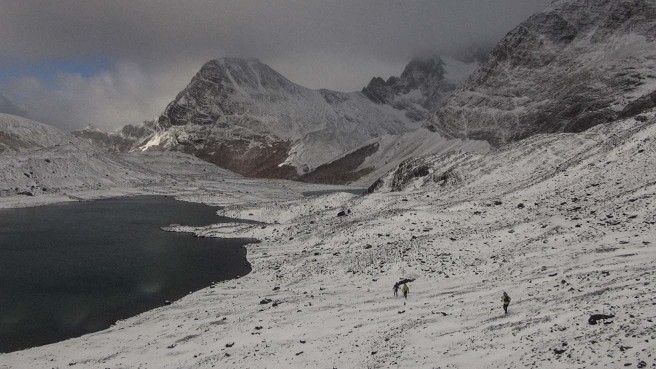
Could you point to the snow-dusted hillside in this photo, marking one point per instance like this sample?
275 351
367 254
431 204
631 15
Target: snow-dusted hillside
564 223
367 164
566 69
38 159
23 135
123 140
40 164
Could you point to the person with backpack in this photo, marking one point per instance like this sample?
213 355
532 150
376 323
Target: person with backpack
405 290
506 301
396 289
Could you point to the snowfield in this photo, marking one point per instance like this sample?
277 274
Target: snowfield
40 164
565 223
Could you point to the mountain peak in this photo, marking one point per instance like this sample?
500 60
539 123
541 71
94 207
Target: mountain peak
234 61
420 69
420 90
244 75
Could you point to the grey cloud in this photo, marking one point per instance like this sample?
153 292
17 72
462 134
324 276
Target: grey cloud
330 43
122 95
9 107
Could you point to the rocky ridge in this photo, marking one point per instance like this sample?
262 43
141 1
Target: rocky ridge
566 69
125 139
419 91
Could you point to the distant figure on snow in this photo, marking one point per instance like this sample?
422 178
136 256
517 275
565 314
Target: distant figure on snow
506 301
405 290
396 289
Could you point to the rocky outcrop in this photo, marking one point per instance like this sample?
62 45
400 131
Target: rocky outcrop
343 170
419 91
443 170
639 106
124 140
575 65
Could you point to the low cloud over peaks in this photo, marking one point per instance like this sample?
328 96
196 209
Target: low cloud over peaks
140 54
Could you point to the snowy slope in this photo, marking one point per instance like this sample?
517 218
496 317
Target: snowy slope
123 140
21 134
36 159
577 64
566 69
364 166
564 223
40 164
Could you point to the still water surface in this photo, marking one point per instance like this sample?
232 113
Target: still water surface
71 269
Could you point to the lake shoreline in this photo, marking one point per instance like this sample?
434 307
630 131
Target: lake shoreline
78 320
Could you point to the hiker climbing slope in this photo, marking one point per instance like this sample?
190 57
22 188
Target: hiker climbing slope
405 290
506 301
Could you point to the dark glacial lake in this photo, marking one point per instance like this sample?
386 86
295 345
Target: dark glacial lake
76 268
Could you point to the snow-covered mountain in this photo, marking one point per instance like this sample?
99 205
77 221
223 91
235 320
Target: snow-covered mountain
38 159
246 117
422 88
566 69
123 140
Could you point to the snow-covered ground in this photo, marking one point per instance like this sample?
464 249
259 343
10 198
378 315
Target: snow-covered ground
393 149
564 223
40 164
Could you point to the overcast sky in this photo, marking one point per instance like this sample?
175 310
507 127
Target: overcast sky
70 63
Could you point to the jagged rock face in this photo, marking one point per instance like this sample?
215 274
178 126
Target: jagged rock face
436 169
420 90
252 155
124 140
575 65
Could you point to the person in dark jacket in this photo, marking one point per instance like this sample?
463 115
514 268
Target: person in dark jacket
506 301
396 289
